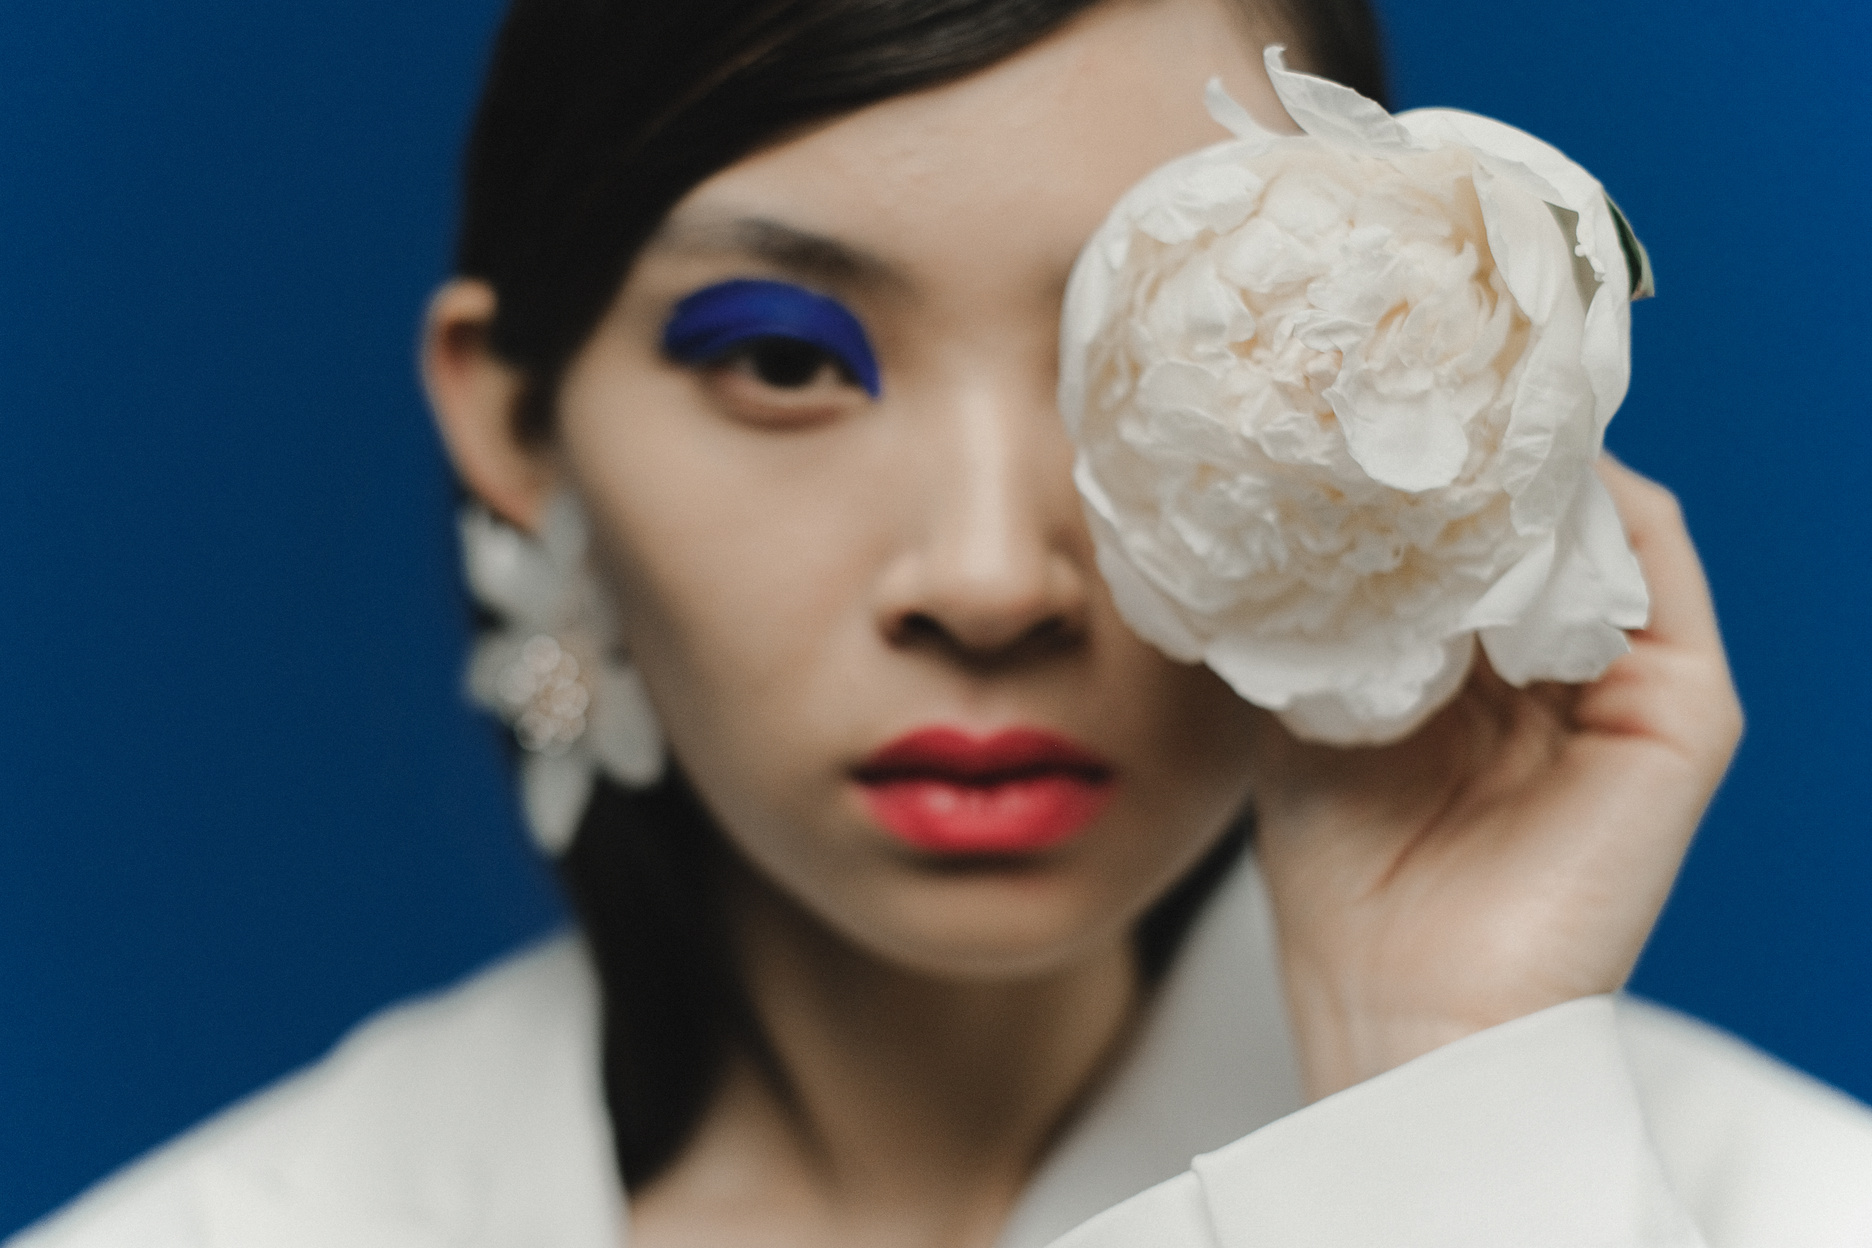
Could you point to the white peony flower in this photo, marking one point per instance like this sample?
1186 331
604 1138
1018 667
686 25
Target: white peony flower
551 671
1337 399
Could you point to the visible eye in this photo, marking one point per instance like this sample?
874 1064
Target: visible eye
773 351
782 381
790 364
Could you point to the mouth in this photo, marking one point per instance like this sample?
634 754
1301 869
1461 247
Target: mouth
1018 791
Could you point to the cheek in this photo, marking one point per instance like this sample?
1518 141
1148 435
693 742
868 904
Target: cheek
1185 736
740 560
1186 739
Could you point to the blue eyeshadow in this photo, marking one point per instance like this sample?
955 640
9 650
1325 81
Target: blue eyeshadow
716 319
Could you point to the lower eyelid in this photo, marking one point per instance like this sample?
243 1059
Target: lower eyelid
747 398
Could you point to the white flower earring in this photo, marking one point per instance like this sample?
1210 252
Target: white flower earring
552 669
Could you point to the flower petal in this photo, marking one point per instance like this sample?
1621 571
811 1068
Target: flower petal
1575 630
1406 441
1229 114
1552 439
1211 190
1547 171
1605 352
555 791
1089 292
1508 599
1529 249
1149 613
1540 165
562 534
1328 110
1335 720
624 734
507 569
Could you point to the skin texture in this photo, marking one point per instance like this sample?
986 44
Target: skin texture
805 573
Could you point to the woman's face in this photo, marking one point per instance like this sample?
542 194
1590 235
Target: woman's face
807 573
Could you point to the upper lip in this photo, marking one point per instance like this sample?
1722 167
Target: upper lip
947 753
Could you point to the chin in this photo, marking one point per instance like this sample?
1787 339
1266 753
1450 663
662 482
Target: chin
994 921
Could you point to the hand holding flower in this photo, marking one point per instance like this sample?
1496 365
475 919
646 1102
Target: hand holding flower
1339 400
1514 853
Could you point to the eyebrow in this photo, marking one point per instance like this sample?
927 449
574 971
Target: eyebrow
814 257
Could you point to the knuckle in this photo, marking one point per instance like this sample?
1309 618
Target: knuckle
1708 708
1722 720
1734 721
1661 502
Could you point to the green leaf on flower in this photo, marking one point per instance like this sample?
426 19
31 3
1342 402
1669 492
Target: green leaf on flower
1637 259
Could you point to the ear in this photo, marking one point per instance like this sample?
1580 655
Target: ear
473 394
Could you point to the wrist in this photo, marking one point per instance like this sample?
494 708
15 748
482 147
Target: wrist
1347 1033
1339 1048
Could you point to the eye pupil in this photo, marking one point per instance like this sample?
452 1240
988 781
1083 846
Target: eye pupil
786 362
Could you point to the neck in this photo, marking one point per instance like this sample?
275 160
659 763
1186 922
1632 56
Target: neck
915 1108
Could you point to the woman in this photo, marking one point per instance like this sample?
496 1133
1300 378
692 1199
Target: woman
936 922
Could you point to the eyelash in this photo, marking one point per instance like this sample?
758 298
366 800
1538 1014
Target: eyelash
783 333
784 363
780 383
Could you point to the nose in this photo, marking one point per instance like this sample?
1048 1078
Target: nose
995 563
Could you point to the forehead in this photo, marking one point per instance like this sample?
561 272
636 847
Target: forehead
1014 165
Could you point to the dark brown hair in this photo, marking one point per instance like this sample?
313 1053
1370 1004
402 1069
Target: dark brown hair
597 117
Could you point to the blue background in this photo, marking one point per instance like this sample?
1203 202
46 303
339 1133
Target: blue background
243 801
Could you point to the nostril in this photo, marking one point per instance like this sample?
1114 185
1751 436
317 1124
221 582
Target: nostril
1041 639
1049 634
919 628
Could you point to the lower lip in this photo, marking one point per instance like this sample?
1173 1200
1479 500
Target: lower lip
1021 815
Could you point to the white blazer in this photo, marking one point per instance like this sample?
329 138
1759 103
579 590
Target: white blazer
475 1119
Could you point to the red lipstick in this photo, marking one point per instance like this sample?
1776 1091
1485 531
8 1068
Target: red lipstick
1019 791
